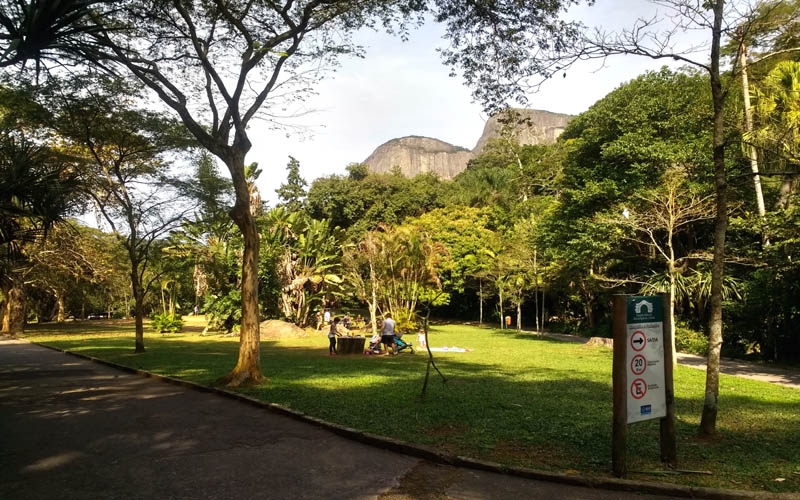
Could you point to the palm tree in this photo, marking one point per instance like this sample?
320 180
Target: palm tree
778 111
41 30
309 261
36 188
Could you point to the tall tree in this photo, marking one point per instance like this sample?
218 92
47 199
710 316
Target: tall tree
292 193
392 269
768 36
655 218
73 258
45 31
127 174
778 112
464 233
36 189
207 234
216 64
359 203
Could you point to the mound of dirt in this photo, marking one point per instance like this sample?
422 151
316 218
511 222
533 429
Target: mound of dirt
276 329
601 341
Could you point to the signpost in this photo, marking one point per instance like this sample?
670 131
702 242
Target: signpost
642 373
645 355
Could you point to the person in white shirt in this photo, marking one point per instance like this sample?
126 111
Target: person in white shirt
387 333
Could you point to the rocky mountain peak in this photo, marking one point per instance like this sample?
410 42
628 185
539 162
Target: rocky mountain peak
416 155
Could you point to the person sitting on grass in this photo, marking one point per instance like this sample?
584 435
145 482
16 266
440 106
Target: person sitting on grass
332 334
387 334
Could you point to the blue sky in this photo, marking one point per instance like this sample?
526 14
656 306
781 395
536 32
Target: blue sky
401 88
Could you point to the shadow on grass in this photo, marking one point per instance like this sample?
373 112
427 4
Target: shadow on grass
93 327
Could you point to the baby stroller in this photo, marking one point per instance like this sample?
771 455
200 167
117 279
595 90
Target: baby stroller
402 344
374 345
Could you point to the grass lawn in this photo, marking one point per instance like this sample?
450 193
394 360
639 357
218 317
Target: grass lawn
516 399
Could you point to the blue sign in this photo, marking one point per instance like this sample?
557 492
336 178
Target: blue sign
646 409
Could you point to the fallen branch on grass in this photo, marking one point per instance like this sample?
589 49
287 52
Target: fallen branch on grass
674 472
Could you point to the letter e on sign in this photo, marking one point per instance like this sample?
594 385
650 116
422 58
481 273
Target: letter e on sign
638 388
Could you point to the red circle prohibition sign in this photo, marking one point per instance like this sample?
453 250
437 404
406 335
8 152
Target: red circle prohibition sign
638 388
638 364
638 340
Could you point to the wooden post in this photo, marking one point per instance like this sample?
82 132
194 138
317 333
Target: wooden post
619 430
669 453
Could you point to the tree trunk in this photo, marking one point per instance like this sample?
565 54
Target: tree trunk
500 305
373 304
480 302
173 297
248 366
536 290
519 316
542 321
788 187
671 312
751 149
61 315
14 319
138 307
708 421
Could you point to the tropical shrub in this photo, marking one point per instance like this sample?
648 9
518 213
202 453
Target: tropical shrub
690 341
166 323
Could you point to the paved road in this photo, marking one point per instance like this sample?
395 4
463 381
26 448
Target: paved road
73 429
744 369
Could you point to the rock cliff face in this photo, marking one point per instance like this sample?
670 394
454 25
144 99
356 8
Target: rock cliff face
531 126
416 155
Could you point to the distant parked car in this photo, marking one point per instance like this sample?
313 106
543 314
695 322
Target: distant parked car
97 316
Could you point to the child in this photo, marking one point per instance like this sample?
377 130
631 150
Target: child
421 338
332 333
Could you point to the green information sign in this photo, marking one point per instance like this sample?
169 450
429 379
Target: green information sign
645 309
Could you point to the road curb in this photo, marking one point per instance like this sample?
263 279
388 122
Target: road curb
432 455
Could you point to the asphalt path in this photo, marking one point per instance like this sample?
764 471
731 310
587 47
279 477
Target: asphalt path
74 429
733 367
743 369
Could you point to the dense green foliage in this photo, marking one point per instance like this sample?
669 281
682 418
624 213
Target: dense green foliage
166 323
359 204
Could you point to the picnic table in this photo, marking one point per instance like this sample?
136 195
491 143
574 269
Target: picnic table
350 345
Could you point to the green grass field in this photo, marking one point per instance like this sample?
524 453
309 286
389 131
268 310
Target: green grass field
517 399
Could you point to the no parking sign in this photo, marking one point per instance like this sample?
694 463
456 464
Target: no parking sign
645 359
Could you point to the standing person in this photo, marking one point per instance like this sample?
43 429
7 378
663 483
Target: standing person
346 321
332 333
318 319
387 334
